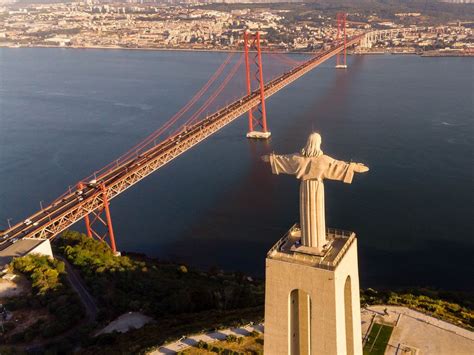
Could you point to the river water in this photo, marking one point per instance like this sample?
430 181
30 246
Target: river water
65 113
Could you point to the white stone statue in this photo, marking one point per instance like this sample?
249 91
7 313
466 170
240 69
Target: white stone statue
311 166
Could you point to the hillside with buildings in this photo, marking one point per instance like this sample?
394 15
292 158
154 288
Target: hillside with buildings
284 27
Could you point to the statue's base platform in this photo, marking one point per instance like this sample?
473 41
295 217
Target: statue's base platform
259 135
312 298
310 250
289 248
341 66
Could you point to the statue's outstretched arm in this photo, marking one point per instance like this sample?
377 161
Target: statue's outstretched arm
344 171
361 168
282 164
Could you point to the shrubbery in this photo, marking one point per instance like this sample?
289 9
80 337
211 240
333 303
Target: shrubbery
121 284
50 290
42 271
419 300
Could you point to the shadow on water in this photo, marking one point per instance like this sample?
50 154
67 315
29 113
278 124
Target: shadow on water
236 230
331 108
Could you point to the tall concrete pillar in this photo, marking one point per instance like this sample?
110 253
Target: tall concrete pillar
312 304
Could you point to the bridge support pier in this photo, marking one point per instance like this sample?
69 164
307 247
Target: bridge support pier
341 28
107 223
258 135
109 219
257 124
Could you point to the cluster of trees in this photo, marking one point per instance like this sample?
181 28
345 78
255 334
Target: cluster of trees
426 301
43 272
49 289
122 284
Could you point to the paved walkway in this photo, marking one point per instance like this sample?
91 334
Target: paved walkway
419 333
395 311
187 342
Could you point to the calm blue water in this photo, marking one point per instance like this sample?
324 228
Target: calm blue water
66 113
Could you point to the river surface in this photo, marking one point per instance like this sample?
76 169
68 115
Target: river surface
66 113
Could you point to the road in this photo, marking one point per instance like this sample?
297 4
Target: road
79 286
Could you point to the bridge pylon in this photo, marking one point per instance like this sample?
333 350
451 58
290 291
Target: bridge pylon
341 31
257 122
100 216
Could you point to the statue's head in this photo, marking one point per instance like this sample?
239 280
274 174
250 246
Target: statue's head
313 146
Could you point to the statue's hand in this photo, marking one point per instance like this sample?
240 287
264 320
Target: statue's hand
265 158
361 168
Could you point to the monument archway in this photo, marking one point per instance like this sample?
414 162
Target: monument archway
300 323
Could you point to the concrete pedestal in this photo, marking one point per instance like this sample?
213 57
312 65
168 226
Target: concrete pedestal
259 135
312 303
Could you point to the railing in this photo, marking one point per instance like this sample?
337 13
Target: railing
344 249
277 251
277 247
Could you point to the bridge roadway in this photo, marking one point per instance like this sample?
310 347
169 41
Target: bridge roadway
75 205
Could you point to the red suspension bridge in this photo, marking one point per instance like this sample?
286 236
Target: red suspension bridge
90 198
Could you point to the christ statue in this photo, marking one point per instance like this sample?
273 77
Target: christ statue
312 166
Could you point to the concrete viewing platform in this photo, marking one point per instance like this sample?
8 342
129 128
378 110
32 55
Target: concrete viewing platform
417 333
289 248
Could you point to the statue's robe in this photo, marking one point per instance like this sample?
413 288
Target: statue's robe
312 171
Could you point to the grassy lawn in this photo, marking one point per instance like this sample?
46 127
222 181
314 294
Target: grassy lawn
378 339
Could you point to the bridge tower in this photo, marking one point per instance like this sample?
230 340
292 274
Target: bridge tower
98 218
341 31
257 115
